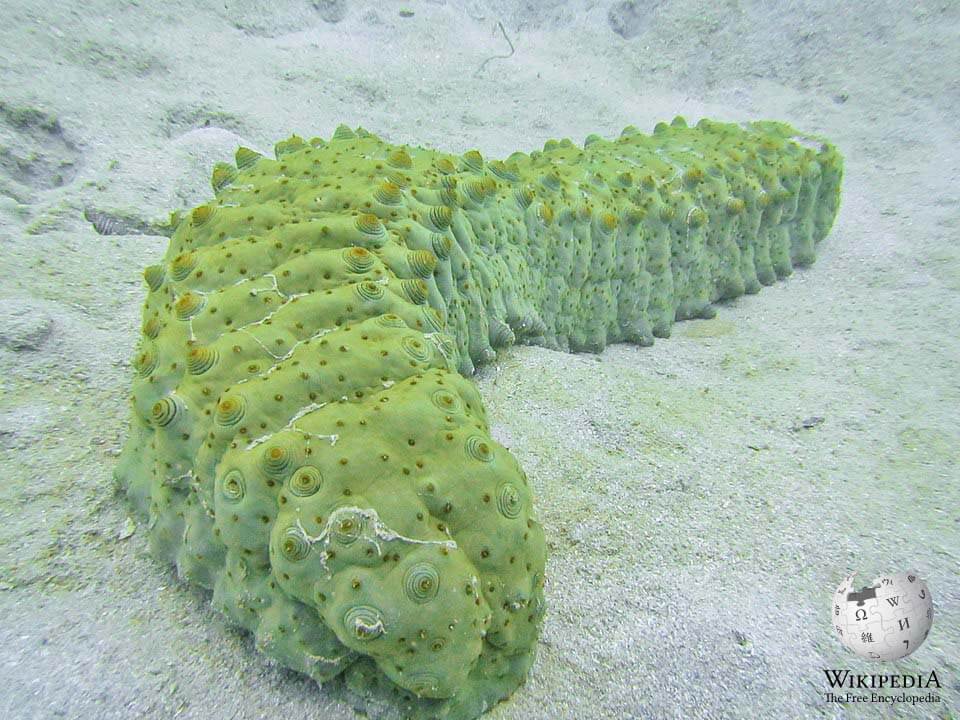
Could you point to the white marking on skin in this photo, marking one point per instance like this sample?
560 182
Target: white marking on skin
359 624
329 661
281 358
332 438
258 341
290 426
438 343
372 530
171 480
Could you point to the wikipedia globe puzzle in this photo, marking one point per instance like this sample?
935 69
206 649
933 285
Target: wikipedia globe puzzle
887 620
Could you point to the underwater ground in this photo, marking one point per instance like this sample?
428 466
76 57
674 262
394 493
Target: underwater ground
702 498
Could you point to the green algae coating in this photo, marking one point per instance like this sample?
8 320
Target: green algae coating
305 442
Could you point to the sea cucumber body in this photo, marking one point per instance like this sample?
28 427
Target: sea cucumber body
305 441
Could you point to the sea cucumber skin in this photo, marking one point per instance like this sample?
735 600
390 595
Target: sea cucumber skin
305 439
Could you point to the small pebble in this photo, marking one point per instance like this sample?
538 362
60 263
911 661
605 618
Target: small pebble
129 528
23 326
807 423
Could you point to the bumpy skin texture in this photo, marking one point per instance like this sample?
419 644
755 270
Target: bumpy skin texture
304 440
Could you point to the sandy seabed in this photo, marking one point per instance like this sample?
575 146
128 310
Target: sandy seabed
702 498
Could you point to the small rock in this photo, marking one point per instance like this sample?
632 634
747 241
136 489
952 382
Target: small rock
630 17
129 528
23 325
332 11
807 423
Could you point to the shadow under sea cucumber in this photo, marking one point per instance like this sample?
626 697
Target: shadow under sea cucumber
305 440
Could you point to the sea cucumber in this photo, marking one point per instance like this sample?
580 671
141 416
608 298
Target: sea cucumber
305 439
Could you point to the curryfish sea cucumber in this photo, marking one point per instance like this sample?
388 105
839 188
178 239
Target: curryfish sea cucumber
305 441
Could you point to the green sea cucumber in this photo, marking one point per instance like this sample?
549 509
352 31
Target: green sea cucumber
305 441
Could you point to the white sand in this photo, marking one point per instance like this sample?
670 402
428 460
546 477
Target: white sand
697 530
